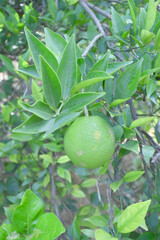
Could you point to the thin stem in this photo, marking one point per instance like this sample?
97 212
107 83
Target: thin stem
99 194
99 10
53 189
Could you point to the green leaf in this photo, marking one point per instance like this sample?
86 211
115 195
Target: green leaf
151 87
151 14
40 109
52 9
102 64
128 80
132 217
37 48
117 102
157 41
90 182
34 125
50 227
55 43
64 173
133 11
8 63
88 232
141 121
51 84
29 71
115 185
98 221
117 22
71 2
148 152
67 70
115 66
102 235
61 121
36 91
92 78
28 211
63 159
78 101
131 145
146 36
21 137
132 176
78 193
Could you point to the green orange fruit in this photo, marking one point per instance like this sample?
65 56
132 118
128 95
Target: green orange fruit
89 142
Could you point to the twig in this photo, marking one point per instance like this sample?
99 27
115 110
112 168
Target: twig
154 159
99 194
150 139
91 44
53 189
93 16
99 10
56 2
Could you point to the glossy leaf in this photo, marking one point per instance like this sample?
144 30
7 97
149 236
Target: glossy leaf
102 235
50 227
132 176
115 185
117 23
78 101
132 217
67 70
141 121
37 92
55 43
37 48
115 66
146 36
131 145
151 14
29 210
90 182
61 121
128 80
98 221
30 71
40 109
92 78
51 84
34 125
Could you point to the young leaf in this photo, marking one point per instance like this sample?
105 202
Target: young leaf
50 226
29 210
37 48
67 70
93 77
78 193
102 235
141 121
146 36
40 109
51 84
128 80
90 182
132 217
61 121
78 101
55 43
117 102
34 125
29 71
133 11
151 14
132 176
117 23
115 185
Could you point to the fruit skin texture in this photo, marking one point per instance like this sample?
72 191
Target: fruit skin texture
89 142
